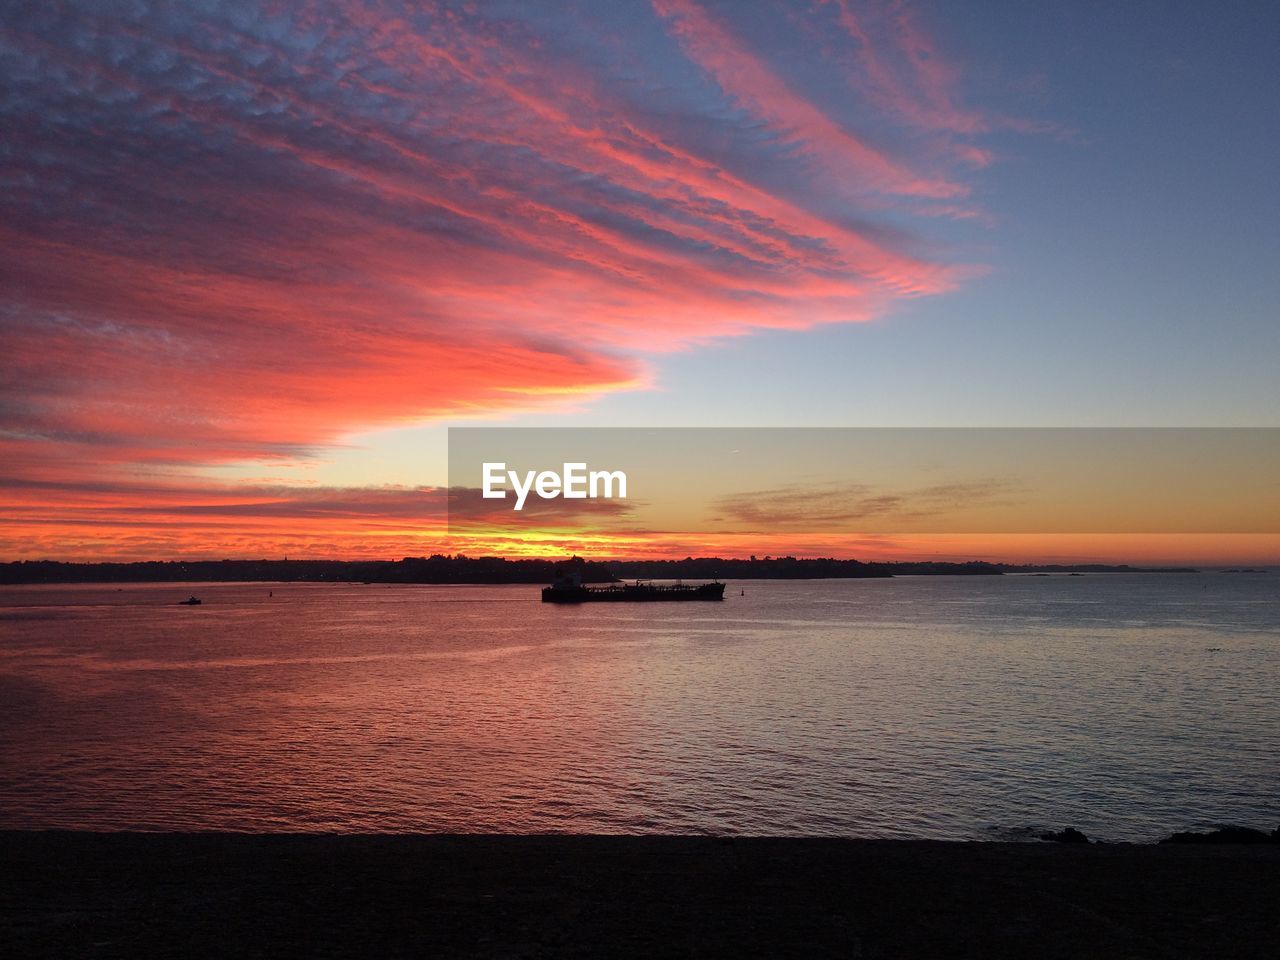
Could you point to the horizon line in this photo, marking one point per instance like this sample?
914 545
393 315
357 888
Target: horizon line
559 558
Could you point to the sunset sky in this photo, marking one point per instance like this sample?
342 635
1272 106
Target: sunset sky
259 256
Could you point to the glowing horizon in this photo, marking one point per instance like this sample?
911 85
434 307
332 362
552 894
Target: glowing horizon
242 241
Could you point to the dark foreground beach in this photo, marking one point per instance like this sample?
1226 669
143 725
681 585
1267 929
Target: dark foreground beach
205 895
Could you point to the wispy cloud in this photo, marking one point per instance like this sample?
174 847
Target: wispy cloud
837 506
238 230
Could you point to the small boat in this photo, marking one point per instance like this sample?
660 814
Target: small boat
190 602
570 589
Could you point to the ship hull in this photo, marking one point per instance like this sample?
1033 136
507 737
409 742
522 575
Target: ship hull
642 593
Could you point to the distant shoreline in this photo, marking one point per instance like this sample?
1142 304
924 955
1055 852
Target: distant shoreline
497 570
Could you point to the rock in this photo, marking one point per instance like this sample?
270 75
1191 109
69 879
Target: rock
1225 835
1069 835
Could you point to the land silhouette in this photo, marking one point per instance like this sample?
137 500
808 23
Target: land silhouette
211 895
458 568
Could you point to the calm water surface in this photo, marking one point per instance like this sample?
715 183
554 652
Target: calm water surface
953 707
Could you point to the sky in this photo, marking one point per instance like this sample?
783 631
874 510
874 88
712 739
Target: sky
259 256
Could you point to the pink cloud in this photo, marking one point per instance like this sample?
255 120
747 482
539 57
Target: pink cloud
243 233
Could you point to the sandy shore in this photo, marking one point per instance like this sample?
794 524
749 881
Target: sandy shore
127 895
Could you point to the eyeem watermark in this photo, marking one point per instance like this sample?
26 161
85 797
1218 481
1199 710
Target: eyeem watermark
575 482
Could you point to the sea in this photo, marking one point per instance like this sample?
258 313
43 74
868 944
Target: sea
1126 705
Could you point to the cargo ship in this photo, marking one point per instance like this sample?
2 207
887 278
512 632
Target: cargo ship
570 589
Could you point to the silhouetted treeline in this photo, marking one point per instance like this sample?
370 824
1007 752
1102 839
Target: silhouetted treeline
783 568
793 568
463 569
436 569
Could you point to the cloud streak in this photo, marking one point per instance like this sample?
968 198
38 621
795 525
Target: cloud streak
833 507
242 231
